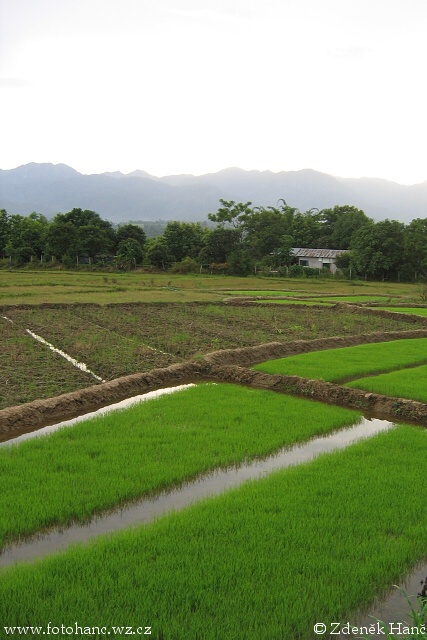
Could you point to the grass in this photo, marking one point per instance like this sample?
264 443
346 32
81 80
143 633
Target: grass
53 286
410 383
99 463
313 543
334 365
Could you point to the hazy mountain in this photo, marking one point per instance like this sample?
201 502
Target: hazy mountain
49 189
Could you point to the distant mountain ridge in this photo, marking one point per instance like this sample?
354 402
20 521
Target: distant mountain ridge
118 197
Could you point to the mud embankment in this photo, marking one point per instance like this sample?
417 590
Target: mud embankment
227 365
371 404
269 351
39 413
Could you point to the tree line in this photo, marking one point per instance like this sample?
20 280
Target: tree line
245 238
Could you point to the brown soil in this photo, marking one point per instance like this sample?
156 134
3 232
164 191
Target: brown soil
224 366
119 340
260 353
39 413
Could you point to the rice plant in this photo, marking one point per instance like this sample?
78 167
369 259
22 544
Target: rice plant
268 560
77 471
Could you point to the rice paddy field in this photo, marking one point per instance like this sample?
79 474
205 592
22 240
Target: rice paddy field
96 464
246 564
298 301
409 383
335 365
314 543
115 340
59 286
417 311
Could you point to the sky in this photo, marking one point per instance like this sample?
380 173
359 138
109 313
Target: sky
196 86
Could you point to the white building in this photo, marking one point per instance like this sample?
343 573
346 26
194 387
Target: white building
318 258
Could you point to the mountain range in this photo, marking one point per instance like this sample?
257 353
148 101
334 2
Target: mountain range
138 196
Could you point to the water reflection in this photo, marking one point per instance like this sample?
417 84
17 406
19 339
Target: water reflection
211 484
123 404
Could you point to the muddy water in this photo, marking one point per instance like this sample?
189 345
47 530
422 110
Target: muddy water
124 404
211 484
395 607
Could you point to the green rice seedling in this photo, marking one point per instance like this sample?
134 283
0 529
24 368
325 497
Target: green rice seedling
268 560
355 299
334 365
267 292
409 383
309 303
417 311
77 471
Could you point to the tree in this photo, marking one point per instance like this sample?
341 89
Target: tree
377 249
158 253
131 231
129 254
240 262
26 237
219 245
415 249
283 256
61 238
264 230
339 224
231 213
89 234
4 230
184 239
306 228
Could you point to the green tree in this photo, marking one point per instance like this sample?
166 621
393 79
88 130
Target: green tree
231 213
131 231
264 230
241 262
339 224
61 238
26 237
184 239
306 228
220 244
377 249
158 253
89 235
4 231
129 254
283 256
415 249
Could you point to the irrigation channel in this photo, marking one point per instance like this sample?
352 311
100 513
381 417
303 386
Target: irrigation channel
214 483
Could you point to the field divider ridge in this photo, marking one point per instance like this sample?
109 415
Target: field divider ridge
219 365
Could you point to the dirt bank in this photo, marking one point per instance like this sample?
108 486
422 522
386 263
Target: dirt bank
253 355
36 414
227 365
389 408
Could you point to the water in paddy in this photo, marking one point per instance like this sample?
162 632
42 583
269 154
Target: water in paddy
393 608
211 484
123 404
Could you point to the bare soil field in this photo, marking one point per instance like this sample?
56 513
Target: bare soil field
118 340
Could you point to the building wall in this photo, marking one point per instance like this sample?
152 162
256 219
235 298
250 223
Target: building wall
316 263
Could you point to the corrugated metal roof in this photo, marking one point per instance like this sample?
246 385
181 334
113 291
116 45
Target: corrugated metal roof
317 253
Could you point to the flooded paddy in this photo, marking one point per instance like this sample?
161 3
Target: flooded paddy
123 404
211 484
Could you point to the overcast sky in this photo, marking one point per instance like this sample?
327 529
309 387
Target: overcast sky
195 86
